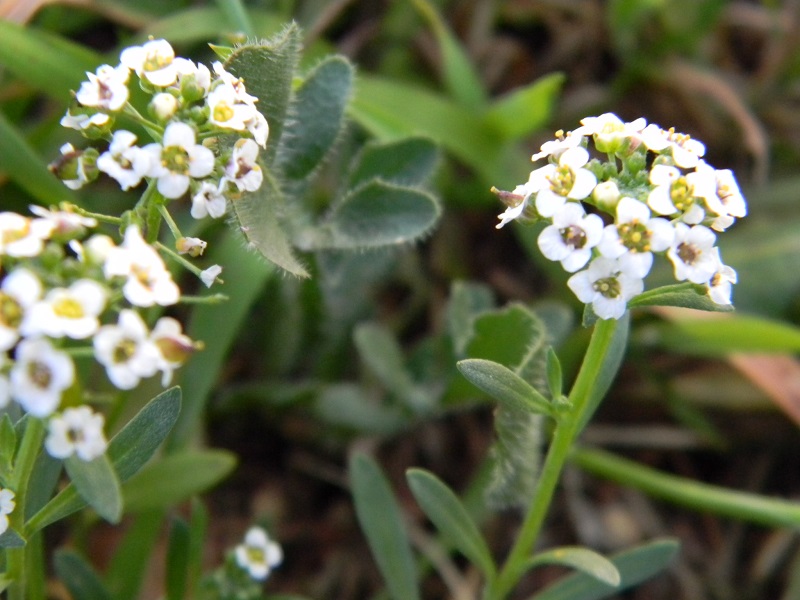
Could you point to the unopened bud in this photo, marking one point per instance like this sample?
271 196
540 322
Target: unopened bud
163 106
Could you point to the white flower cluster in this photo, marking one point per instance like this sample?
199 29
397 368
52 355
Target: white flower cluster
258 555
190 105
60 289
659 196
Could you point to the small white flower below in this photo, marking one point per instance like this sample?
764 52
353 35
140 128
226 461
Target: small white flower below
7 505
607 285
39 376
126 351
258 555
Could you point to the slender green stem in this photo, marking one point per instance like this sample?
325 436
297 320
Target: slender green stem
100 217
173 226
23 467
583 402
145 122
179 259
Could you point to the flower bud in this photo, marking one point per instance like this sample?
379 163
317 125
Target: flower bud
97 248
163 106
606 194
76 167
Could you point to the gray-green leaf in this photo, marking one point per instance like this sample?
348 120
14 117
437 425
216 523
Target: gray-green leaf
78 576
451 518
583 559
505 386
686 295
97 484
408 161
382 524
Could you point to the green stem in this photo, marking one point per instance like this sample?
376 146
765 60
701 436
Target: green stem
173 226
100 217
23 467
583 402
135 115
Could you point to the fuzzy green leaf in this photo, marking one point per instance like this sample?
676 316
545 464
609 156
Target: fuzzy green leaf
128 451
268 70
382 524
97 484
376 214
584 560
257 216
317 117
344 405
451 518
175 478
467 301
526 109
408 161
634 567
79 577
505 386
686 295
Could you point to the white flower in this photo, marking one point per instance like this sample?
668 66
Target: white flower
82 121
95 250
7 505
76 431
226 110
732 200
65 222
556 147
209 276
677 193
242 168
693 254
123 161
194 78
106 90
191 245
73 166
609 131
258 128
237 83
517 202
174 347
258 555
636 234
685 151
153 61
720 284
607 285
18 292
209 201
149 282
126 351
21 236
71 312
571 237
39 376
177 159
554 184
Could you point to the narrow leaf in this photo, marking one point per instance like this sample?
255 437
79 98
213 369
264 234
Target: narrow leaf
23 165
199 24
527 109
505 386
175 478
381 352
376 214
584 560
408 161
467 300
686 295
634 566
45 61
79 577
317 117
128 451
770 512
460 77
131 560
382 523
97 484
178 560
451 518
